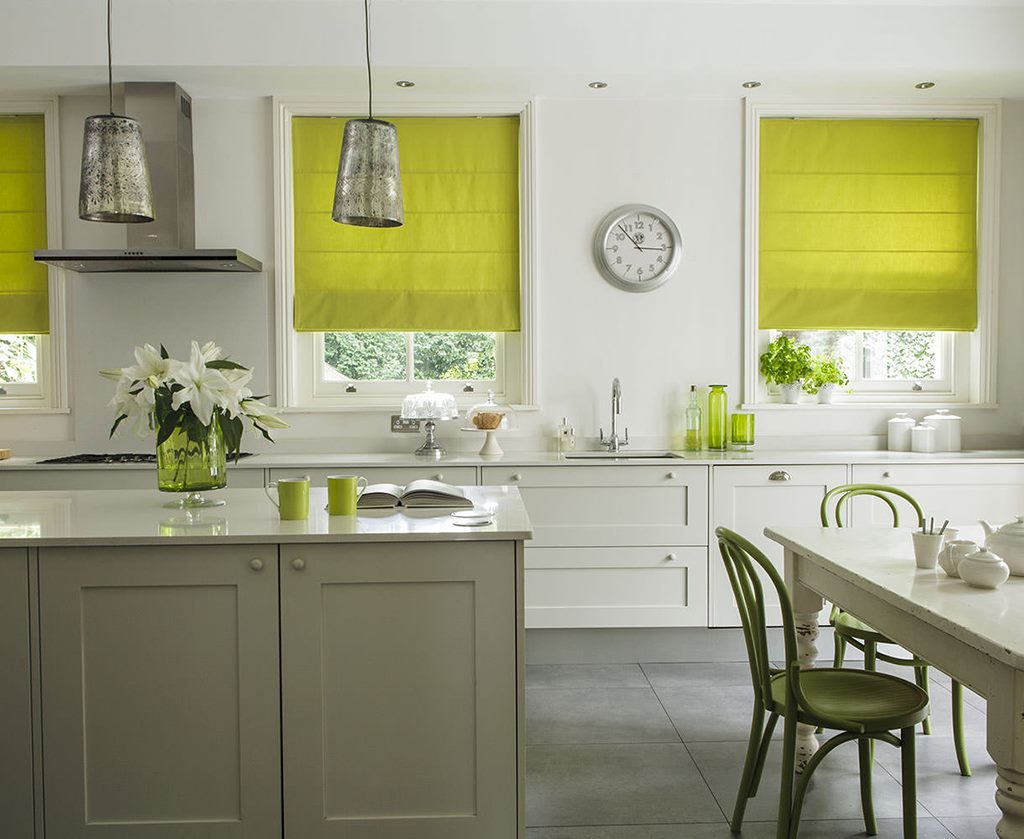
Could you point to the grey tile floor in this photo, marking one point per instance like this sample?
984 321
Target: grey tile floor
654 751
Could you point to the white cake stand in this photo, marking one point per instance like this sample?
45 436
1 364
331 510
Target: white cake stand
490 447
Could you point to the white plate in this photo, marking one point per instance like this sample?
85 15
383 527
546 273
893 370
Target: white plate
472 522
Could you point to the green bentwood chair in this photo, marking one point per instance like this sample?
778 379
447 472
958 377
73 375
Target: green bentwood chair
849 631
863 705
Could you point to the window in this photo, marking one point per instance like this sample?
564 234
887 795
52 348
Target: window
365 316
31 296
869 237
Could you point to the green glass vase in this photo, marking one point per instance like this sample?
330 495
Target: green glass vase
192 466
718 438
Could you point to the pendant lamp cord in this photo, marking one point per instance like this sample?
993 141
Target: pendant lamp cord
110 64
369 76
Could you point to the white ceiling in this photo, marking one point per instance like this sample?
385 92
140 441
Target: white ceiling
520 48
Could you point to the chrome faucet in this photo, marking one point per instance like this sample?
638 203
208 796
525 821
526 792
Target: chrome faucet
613 443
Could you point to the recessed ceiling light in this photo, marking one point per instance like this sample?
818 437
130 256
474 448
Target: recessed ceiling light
405 83
924 85
751 85
597 85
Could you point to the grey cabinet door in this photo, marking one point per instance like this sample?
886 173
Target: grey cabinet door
400 691
161 711
16 762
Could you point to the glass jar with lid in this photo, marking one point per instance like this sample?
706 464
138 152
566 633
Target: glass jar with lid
490 417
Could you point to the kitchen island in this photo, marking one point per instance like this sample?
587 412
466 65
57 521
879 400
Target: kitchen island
224 673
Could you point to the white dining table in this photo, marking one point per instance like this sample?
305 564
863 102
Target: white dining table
974 635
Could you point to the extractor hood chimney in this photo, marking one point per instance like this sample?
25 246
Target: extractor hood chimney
168 243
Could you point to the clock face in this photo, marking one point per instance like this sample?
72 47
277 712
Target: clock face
637 247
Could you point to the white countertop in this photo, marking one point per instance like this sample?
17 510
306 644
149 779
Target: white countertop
881 562
133 517
354 460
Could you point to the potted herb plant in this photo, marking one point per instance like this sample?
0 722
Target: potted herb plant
786 363
827 374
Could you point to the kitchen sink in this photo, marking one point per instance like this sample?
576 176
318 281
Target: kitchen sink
635 455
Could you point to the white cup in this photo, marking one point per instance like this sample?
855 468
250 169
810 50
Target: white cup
926 549
951 554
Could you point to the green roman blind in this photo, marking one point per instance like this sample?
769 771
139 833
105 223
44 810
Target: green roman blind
24 297
868 224
452 267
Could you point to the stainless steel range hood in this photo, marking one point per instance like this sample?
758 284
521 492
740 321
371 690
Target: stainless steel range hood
169 242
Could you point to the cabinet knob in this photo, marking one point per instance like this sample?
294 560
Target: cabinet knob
670 558
671 476
439 476
779 475
517 477
256 564
299 564
887 474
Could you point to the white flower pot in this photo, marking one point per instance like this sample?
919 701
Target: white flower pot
825 394
791 392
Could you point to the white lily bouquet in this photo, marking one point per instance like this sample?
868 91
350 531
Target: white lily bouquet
207 395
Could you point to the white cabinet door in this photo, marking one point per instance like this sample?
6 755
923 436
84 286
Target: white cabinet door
400 690
609 506
401 475
747 499
161 711
960 492
16 759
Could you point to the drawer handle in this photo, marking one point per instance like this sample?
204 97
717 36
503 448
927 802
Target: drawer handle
299 564
670 558
780 475
671 476
256 564
517 477
887 474
439 476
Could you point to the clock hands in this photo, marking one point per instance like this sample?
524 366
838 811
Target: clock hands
635 245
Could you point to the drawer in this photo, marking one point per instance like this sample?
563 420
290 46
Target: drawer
60 480
910 474
458 475
616 587
608 506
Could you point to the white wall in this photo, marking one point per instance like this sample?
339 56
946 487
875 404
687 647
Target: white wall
683 156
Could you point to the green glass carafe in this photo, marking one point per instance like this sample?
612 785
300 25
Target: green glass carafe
718 438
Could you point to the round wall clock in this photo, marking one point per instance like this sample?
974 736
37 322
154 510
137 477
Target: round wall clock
637 247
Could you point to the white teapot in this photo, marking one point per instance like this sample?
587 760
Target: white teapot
1007 542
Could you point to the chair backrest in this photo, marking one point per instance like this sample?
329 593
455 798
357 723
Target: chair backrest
745 565
841 495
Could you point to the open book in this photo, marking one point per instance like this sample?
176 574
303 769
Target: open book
422 493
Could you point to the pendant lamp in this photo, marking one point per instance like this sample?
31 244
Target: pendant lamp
115 184
369 188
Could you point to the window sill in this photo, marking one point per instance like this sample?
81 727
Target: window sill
869 406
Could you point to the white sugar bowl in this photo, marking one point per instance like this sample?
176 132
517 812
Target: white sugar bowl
983 569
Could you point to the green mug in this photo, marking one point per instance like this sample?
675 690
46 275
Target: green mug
343 493
293 497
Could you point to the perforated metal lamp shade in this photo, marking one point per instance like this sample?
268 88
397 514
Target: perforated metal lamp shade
115 184
369 188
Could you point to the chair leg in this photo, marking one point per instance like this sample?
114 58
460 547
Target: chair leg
749 766
867 760
908 766
762 755
870 655
921 677
958 729
786 781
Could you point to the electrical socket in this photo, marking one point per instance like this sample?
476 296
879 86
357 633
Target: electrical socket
404 426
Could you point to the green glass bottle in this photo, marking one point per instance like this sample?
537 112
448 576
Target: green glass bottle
693 422
718 439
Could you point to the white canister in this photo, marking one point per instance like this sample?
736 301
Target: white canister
922 438
899 433
947 430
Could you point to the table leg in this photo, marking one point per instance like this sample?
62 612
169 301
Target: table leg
807 606
1006 746
1010 799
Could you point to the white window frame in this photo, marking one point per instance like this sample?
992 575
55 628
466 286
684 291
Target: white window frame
299 384
50 393
973 374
